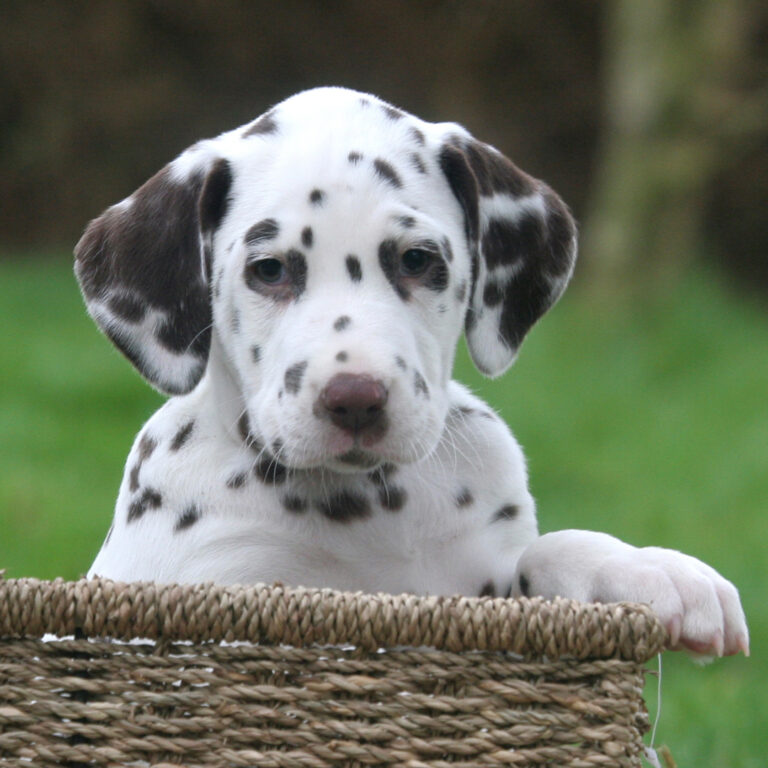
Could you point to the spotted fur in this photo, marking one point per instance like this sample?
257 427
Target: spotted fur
354 269
228 280
182 435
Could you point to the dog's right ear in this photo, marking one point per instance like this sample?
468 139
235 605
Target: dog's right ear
144 268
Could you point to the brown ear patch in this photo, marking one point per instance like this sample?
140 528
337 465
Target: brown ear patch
145 252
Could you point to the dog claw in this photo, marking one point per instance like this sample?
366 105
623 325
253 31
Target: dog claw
675 628
742 642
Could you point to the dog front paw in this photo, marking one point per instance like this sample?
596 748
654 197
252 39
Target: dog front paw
699 608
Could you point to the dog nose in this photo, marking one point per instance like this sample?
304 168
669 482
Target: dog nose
354 402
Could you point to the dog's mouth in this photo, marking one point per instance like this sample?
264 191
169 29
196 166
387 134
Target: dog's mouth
359 459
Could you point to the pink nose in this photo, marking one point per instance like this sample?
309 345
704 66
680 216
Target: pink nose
354 402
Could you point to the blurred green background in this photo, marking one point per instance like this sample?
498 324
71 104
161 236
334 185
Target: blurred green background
641 400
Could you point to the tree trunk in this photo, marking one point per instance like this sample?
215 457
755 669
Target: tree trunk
667 67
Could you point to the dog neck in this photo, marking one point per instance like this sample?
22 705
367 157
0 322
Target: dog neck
221 385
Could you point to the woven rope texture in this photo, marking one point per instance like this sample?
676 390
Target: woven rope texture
316 678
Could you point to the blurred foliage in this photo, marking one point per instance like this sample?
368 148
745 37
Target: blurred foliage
649 118
686 103
96 96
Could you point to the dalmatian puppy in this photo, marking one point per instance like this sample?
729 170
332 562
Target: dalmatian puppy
298 285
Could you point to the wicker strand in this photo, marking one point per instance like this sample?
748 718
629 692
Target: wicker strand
302 617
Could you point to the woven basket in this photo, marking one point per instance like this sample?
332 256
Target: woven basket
277 677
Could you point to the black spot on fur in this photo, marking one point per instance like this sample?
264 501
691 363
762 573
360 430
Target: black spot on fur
244 430
237 480
385 171
419 384
455 167
408 222
389 260
507 512
264 125
493 294
464 497
170 335
354 157
354 269
256 353
494 172
307 238
381 474
418 163
401 363
461 291
293 377
270 471
506 241
345 507
181 437
266 229
147 446
525 585
128 308
295 504
342 356
488 589
392 497
297 268
342 322
393 113
187 518
149 499
214 199
317 197
417 135
277 445
244 427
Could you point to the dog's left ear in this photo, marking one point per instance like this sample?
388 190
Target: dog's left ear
144 269
523 243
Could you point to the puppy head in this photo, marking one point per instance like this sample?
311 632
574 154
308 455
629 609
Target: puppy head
332 250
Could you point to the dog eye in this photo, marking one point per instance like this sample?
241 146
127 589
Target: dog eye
414 262
269 271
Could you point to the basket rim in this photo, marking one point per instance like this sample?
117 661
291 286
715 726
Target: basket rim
301 617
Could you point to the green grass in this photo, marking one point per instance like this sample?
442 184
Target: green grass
649 421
